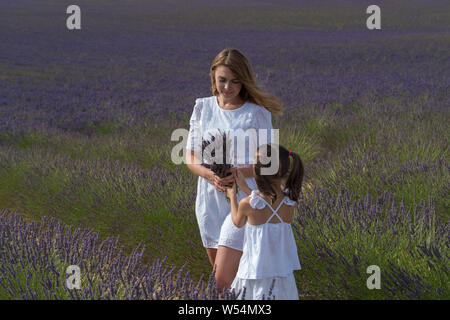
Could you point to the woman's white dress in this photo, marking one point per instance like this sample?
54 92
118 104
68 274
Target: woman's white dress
211 206
269 257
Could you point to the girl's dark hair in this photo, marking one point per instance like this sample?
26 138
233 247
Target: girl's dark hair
293 170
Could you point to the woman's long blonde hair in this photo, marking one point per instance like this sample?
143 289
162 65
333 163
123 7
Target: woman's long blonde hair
239 65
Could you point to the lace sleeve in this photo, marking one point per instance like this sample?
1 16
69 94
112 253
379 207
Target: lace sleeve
194 140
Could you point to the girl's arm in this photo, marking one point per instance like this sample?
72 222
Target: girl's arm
240 180
247 190
238 213
247 171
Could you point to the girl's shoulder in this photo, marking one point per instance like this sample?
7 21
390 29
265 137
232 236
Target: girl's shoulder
257 202
245 204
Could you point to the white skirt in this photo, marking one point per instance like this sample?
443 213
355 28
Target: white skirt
212 209
284 288
230 235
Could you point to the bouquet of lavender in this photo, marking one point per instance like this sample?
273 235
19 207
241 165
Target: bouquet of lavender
220 168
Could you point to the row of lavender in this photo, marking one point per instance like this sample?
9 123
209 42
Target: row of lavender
35 257
339 237
117 198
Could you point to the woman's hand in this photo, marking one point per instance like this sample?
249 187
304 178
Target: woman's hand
221 184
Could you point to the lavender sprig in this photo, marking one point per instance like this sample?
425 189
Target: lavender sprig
221 169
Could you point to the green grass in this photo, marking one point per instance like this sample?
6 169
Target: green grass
75 178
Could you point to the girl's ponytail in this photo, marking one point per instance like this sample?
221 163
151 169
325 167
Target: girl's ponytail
295 177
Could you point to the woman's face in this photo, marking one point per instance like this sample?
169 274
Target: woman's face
226 82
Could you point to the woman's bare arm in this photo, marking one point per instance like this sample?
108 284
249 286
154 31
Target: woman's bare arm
195 165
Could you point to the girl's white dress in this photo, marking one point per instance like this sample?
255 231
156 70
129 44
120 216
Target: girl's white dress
270 254
211 206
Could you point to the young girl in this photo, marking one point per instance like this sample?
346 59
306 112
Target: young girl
269 253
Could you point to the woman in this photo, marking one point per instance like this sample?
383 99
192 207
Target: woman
237 103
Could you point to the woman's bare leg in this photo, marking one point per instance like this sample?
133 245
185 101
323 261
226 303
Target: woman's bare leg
227 263
211 252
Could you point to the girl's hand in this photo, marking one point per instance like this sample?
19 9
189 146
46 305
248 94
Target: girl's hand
231 192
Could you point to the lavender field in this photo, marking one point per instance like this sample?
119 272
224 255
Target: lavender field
86 118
